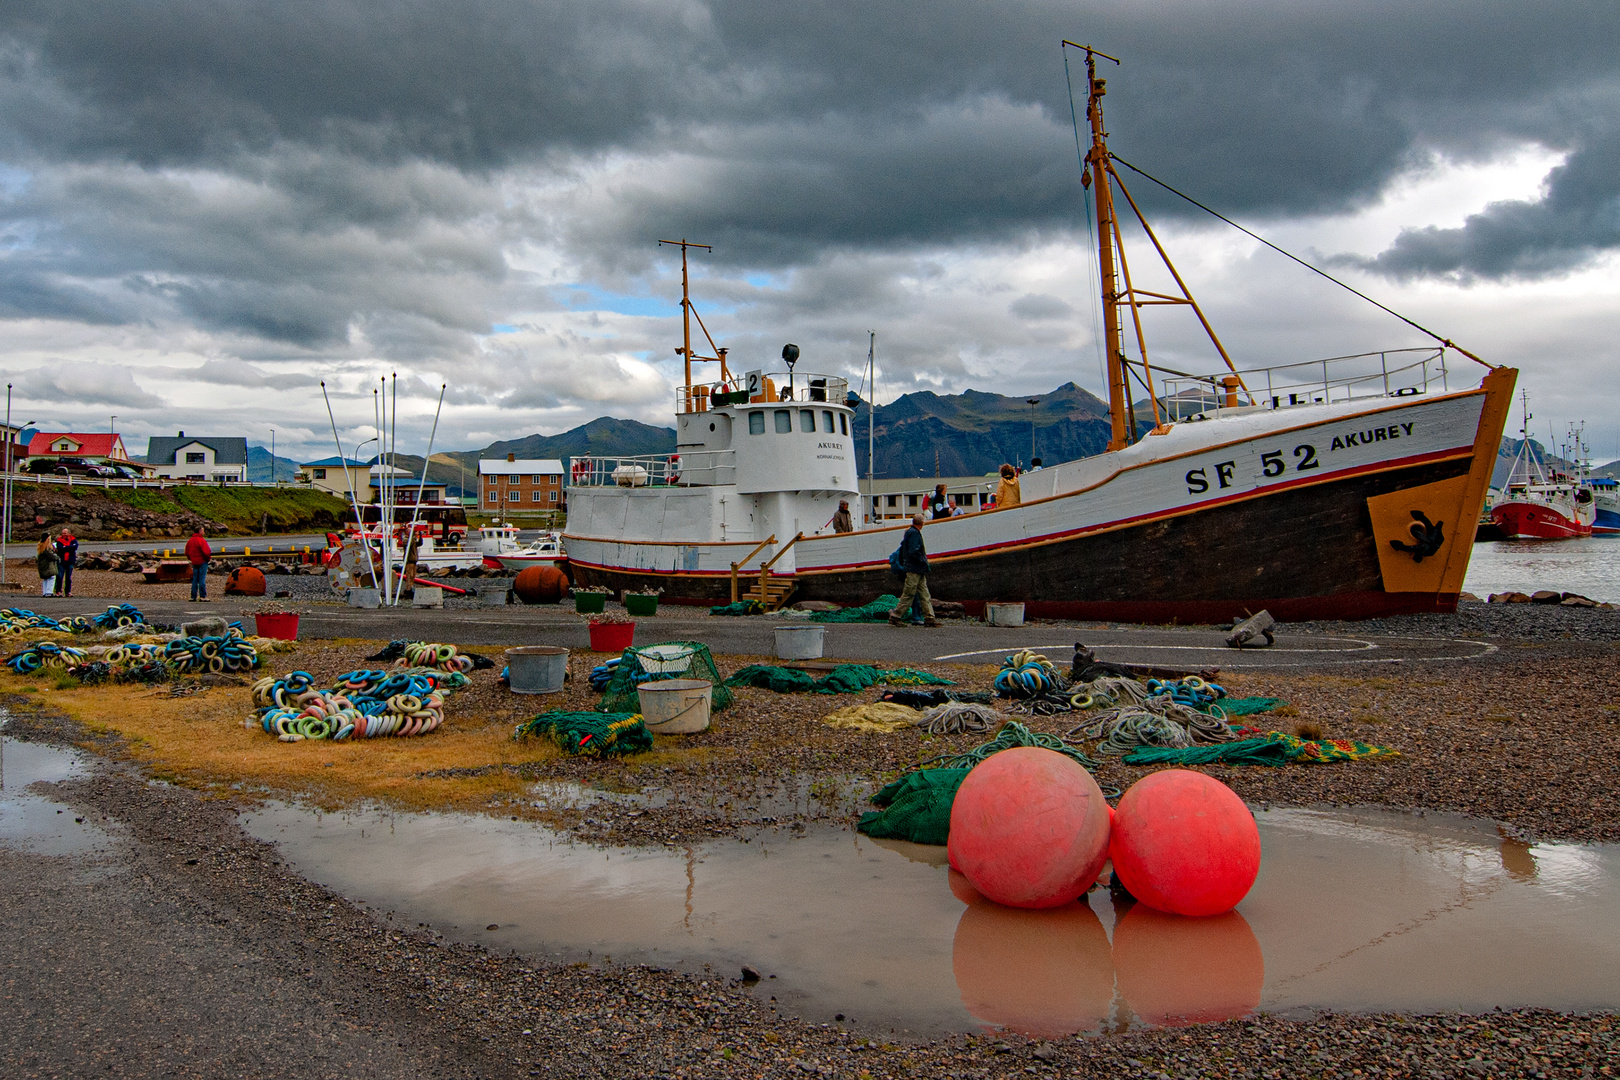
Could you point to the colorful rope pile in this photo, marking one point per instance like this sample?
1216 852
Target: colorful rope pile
1028 674
361 705
21 620
590 732
427 654
196 655
43 654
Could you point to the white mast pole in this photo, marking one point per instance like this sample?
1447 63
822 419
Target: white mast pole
421 487
871 426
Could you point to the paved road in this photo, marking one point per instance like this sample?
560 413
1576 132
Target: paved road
1189 647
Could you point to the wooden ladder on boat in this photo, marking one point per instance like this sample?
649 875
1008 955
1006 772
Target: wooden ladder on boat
771 590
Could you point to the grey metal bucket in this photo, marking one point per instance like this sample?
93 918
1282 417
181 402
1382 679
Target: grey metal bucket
536 669
800 642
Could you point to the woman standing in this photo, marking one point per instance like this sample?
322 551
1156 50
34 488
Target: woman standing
1007 493
46 560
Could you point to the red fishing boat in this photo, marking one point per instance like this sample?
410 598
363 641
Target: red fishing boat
1540 504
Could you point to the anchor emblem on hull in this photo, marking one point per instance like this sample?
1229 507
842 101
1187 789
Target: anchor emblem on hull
1429 537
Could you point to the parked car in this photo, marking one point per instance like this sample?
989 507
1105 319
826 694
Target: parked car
70 467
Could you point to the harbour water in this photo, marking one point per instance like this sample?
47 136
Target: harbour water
1590 567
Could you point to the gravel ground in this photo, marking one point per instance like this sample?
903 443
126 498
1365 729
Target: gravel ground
207 958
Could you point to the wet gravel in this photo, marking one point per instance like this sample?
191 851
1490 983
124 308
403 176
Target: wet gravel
1497 622
190 951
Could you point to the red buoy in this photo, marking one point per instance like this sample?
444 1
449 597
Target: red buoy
1174 970
1029 828
1184 843
1044 974
540 585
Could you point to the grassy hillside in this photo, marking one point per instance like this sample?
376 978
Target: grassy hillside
239 510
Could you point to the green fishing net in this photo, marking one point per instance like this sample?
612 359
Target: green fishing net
916 807
877 611
843 679
668 660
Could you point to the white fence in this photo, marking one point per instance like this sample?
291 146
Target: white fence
123 482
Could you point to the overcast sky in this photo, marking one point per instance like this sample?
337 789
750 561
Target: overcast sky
208 207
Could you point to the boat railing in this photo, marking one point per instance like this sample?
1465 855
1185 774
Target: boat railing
762 388
698 467
1390 373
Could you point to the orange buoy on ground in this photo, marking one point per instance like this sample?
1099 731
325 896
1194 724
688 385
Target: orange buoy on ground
245 581
1044 974
540 585
1184 843
1175 970
1029 828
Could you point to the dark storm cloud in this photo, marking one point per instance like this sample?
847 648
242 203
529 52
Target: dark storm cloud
1576 218
326 172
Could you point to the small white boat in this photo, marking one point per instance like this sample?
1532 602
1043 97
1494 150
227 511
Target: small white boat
547 550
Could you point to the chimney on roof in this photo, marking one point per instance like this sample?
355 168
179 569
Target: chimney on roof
179 434
511 457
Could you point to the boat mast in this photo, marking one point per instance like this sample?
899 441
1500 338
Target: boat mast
687 315
1119 399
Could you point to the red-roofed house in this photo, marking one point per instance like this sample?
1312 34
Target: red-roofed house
57 444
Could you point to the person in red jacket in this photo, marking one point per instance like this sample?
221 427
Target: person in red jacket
199 555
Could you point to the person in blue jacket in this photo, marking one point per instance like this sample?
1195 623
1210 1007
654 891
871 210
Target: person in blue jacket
913 560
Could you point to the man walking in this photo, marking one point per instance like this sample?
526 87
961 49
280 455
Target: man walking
199 555
67 550
913 560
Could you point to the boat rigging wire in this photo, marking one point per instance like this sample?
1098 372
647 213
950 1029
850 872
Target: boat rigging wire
1445 341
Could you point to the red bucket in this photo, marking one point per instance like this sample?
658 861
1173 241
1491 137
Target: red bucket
281 624
612 637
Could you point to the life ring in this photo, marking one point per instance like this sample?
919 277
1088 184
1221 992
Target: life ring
674 468
581 469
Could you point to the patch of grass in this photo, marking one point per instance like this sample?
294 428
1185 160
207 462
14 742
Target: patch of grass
200 742
1309 730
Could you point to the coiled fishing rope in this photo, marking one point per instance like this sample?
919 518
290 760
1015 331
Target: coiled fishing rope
363 704
43 654
959 717
1027 674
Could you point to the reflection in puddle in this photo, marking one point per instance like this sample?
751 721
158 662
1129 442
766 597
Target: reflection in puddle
1353 911
32 822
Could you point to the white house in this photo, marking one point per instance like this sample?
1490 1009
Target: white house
209 458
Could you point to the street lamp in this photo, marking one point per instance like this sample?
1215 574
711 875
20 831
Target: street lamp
1034 401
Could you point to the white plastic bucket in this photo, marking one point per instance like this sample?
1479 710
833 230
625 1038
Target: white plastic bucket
676 706
364 598
666 659
536 669
800 642
1004 614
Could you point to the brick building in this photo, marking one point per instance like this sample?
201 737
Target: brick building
520 486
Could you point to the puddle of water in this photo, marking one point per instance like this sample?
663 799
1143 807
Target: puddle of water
1353 911
32 822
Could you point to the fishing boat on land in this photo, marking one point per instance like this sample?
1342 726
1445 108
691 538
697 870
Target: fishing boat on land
1540 503
1339 488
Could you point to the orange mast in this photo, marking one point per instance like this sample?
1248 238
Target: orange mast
688 313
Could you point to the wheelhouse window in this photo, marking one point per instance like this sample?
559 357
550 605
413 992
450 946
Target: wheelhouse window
826 422
807 421
756 423
784 422
843 424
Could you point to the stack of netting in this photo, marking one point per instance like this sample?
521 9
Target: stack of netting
427 654
45 654
360 705
197 655
651 663
877 611
590 732
843 679
1028 674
